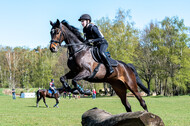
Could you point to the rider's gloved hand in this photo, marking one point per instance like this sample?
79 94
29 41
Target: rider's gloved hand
90 41
86 42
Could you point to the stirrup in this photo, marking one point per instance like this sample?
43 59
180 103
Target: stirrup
110 71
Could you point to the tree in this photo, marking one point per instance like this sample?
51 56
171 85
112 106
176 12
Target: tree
146 60
121 35
164 49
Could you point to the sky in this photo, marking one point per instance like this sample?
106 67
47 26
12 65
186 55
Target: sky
26 23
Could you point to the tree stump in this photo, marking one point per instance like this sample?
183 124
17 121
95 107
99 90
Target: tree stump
98 117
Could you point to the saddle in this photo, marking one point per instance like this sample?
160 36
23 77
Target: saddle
50 91
96 56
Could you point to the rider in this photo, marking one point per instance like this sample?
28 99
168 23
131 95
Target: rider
52 86
93 35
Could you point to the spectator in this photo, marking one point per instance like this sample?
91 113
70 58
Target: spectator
64 94
13 93
69 95
93 94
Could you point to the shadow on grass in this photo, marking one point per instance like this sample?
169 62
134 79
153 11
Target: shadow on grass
156 96
37 107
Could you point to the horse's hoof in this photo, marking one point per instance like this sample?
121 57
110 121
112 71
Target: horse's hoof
56 106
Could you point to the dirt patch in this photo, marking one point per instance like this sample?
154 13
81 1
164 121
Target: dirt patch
7 92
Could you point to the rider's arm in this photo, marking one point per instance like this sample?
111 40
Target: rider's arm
97 34
50 85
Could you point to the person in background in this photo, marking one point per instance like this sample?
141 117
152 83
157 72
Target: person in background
93 94
64 94
13 93
70 95
52 86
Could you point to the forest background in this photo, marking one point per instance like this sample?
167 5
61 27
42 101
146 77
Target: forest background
160 53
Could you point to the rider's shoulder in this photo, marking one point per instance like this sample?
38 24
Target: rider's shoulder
91 25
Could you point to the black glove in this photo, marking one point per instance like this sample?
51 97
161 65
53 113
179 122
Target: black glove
90 41
86 42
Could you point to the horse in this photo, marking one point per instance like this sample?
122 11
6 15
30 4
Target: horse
43 93
82 65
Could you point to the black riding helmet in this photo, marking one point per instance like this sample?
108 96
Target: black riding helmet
85 17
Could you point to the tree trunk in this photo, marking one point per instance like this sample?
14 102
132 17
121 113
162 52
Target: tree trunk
8 57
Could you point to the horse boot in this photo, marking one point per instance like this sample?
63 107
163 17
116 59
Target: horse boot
78 87
65 85
85 92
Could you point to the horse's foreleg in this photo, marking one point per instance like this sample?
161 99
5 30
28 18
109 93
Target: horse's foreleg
57 102
45 102
80 76
69 75
38 99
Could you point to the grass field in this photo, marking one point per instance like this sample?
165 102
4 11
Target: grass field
174 111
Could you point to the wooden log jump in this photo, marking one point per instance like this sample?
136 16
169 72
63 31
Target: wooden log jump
98 117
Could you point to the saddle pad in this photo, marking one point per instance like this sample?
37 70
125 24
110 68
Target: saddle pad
49 91
113 62
96 57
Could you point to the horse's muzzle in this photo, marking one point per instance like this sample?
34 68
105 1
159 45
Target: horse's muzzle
54 47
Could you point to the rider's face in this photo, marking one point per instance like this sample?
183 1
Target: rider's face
84 23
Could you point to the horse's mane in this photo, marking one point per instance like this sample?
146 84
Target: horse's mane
74 30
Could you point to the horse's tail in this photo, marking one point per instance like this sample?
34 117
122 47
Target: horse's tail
138 80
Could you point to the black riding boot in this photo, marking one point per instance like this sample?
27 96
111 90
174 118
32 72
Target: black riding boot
53 92
107 64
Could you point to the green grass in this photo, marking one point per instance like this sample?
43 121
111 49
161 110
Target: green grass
174 111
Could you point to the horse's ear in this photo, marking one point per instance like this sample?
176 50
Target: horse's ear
58 22
51 23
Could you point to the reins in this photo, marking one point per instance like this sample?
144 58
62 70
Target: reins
68 45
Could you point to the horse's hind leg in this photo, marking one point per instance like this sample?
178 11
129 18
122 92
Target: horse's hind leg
45 102
133 88
121 90
38 99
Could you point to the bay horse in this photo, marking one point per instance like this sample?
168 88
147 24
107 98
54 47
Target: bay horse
82 64
43 93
